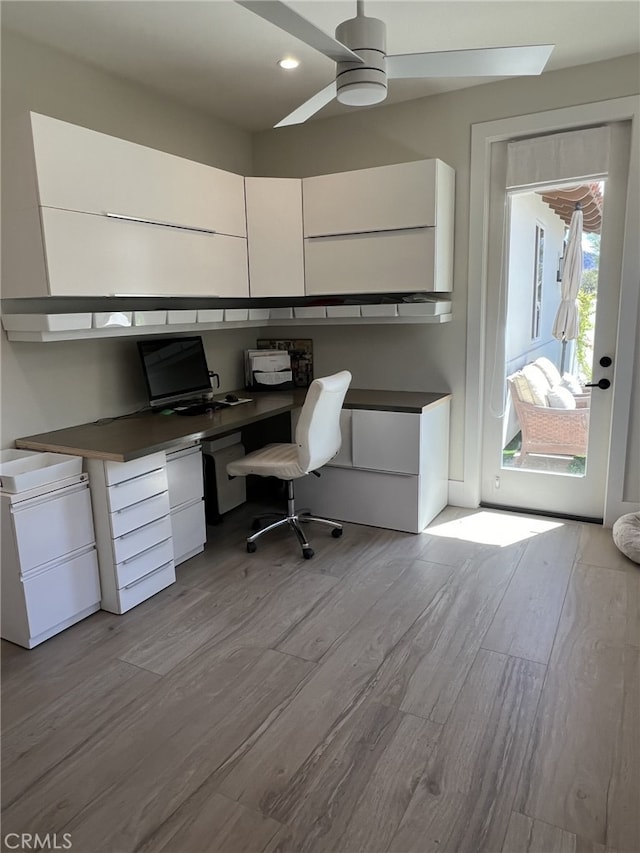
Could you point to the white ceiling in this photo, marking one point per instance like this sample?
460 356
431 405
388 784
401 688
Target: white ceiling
219 57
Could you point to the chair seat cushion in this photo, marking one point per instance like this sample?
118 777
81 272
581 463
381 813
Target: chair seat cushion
626 535
274 460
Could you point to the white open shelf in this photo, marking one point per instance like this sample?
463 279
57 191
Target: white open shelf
44 335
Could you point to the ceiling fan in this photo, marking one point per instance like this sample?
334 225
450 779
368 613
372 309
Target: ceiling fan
363 67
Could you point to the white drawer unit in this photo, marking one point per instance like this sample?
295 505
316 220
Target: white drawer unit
49 563
186 500
392 470
133 529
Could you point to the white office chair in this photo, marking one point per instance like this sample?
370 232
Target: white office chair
317 440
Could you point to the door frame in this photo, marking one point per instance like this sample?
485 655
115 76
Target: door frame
483 136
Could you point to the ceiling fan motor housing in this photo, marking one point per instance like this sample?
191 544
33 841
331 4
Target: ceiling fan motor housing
358 84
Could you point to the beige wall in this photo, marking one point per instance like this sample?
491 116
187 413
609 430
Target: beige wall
440 126
53 385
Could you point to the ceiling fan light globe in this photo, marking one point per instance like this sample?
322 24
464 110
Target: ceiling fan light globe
362 94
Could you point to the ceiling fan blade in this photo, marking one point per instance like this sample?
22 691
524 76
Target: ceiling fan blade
291 22
310 107
479 62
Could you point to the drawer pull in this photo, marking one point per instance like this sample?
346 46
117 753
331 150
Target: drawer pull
137 503
145 551
159 222
142 527
148 575
357 234
137 477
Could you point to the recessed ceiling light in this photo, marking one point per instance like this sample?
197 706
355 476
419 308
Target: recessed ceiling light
288 63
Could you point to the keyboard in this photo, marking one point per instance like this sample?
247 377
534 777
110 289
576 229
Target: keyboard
198 408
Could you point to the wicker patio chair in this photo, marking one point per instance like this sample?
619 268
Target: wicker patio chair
547 430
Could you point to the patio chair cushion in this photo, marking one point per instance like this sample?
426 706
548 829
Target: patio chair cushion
559 397
549 369
570 382
626 535
538 385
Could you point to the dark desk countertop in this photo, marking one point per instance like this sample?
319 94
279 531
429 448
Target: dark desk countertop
124 438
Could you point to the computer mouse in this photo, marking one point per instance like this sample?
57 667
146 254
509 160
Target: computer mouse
231 398
166 412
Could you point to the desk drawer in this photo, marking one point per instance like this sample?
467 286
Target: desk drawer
138 489
61 592
49 527
139 590
184 476
142 564
141 538
117 472
130 517
189 531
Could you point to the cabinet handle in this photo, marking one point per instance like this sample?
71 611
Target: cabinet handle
148 575
145 551
356 234
137 477
158 222
137 503
142 527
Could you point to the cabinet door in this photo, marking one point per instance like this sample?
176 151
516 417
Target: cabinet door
274 235
184 475
403 195
95 256
344 457
386 441
371 263
83 170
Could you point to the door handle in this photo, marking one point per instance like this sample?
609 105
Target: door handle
601 383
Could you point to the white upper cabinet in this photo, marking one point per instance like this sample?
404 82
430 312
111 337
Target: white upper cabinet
381 262
380 230
112 257
83 170
101 216
404 195
274 229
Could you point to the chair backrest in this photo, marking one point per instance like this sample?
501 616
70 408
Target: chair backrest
318 433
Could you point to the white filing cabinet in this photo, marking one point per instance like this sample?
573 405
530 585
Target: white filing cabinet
133 529
49 562
392 470
186 502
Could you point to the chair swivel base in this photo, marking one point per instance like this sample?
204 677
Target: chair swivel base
293 519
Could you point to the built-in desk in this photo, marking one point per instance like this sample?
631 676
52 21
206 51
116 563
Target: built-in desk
145 476
126 438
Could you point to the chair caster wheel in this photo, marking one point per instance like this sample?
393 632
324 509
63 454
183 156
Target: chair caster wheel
307 553
336 532
251 547
255 524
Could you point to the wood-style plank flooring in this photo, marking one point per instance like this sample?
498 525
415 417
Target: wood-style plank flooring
473 689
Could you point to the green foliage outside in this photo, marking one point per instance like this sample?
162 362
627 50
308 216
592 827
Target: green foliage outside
586 309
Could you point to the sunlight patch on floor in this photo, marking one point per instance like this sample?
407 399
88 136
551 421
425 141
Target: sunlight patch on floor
494 528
